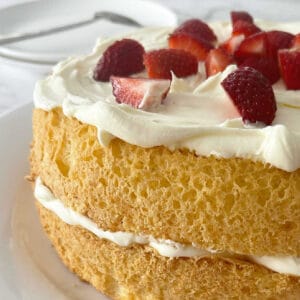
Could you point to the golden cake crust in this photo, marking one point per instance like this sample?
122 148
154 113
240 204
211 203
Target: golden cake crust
138 272
227 204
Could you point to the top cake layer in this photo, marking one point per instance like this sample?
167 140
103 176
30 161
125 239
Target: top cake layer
196 114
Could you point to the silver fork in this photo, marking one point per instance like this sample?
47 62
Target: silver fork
113 17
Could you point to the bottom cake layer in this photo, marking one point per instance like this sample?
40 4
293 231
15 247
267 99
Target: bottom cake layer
138 272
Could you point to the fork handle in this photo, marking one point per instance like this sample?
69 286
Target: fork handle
44 32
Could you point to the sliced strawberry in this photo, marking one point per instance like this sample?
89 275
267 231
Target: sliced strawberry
252 94
160 63
254 45
289 63
243 27
232 43
190 43
263 44
278 40
140 92
240 15
296 41
216 61
265 65
122 58
197 29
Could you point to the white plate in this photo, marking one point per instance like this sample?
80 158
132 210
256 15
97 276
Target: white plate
50 13
29 266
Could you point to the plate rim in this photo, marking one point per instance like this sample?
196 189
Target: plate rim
14 108
25 56
23 275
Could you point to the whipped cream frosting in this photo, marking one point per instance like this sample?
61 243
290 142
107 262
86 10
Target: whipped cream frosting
168 248
197 113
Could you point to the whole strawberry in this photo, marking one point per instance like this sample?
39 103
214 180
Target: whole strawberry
252 94
160 63
122 58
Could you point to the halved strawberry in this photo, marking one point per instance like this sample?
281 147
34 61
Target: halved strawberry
296 41
254 45
232 43
243 27
198 29
122 58
240 15
160 63
289 63
190 43
278 40
216 61
252 94
140 92
265 65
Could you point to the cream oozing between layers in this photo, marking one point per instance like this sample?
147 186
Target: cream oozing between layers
168 248
197 114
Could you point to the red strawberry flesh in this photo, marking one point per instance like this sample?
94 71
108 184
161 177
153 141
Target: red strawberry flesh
265 65
289 62
122 58
252 94
216 61
277 40
198 29
232 43
245 28
296 41
240 15
191 43
254 45
140 93
160 63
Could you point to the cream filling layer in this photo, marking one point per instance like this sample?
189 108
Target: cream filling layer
168 248
196 115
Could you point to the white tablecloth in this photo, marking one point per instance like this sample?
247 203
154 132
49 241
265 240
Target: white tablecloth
17 80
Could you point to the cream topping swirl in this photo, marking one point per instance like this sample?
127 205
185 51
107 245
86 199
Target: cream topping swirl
197 114
168 248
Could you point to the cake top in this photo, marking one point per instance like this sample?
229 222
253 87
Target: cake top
194 112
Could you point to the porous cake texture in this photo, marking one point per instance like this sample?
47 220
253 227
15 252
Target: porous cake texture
139 273
234 205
